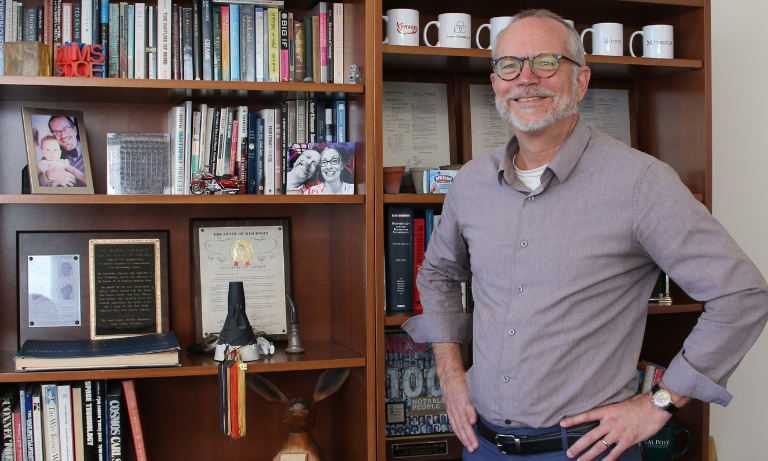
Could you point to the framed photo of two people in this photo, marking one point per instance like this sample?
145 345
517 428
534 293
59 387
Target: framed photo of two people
57 151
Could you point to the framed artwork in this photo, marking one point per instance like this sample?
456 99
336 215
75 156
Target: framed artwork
255 252
57 151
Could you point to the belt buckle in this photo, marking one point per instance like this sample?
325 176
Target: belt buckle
514 438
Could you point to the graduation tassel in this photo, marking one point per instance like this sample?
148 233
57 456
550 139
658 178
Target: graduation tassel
232 394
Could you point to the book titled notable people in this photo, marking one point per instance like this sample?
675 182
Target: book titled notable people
151 350
321 168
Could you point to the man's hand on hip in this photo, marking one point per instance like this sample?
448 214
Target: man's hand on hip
453 381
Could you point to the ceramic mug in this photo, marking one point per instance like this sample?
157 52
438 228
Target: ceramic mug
496 25
402 27
661 447
454 30
657 42
607 39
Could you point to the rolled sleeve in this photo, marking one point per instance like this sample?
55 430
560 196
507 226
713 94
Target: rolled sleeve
449 327
682 378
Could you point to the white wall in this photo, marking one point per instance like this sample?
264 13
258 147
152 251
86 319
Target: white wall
740 170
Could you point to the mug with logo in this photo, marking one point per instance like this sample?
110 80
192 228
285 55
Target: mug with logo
657 41
497 25
661 447
454 30
402 27
607 39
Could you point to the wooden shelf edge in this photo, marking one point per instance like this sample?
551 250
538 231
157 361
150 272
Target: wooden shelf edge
102 199
320 355
414 198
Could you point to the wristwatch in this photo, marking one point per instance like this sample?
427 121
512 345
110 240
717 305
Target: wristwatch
662 398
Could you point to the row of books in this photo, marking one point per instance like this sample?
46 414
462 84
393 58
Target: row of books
258 148
226 40
648 374
69 421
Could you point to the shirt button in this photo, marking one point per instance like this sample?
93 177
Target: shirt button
531 199
519 289
505 379
524 243
507 421
511 332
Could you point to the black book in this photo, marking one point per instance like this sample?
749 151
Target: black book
9 393
312 120
40 23
207 38
320 120
260 155
76 21
285 120
252 186
197 43
96 23
113 413
308 48
187 46
175 43
329 35
100 419
398 258
214 152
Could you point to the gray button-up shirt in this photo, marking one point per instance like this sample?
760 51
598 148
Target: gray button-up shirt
569 269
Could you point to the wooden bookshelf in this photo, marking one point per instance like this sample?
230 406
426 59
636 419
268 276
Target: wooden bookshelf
102 199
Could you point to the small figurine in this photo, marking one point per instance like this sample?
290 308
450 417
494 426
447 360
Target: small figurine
206 183
354 75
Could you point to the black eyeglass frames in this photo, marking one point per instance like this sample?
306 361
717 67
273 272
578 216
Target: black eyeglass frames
543 65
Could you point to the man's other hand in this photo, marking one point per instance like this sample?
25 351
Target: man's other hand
453 381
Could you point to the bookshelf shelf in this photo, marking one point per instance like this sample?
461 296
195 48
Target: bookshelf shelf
114 90
320 354
414 198
102 199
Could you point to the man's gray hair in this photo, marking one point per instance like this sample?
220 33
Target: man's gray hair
575 47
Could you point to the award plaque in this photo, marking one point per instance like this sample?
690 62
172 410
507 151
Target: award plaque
125 287
255 252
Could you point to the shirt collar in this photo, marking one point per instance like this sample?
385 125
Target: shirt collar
565 159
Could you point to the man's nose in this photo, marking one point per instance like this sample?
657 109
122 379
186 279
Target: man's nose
527 77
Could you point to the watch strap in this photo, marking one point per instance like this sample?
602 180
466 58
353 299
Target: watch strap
670 408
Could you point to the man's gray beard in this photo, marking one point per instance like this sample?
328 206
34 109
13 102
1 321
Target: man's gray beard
564 106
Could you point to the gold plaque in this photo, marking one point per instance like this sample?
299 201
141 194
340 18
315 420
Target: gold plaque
241 251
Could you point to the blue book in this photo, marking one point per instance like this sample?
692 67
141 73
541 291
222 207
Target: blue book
104 31
340 121
207 35
131 39
95 23
247 44
258 20
260 155
234 43
27 436
152 350
252 186
429 226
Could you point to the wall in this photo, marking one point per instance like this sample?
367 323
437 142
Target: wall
740 166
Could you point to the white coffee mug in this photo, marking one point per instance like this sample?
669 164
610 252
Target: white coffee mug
497 25
607 39
454 30
657 42
402 27
569 22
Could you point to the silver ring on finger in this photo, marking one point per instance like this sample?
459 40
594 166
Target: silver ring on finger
607 445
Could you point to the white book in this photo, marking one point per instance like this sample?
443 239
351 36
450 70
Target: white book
194 165
66 429
13 21
269 150
188 115
242 128
205 159
131 33
51 423
9 31
37 422
66 23
258 20
176 125
23 404
86 22
164 39
140 47
220 152
330 135
201 161
338 43
301 122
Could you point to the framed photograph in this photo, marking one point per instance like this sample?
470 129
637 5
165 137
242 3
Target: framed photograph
50 262
255 252
57 151
321 168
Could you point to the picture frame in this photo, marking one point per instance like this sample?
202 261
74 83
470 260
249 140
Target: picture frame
57 169
32 243
253 251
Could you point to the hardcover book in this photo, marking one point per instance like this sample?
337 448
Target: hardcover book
398 258
152 350
113 413
129 388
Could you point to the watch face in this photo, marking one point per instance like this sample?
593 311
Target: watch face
662 398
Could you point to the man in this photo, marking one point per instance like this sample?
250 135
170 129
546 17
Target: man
65 132
303 170
564 230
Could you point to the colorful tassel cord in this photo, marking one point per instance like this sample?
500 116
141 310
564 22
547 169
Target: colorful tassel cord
232 394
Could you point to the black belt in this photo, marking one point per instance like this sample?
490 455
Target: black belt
510 444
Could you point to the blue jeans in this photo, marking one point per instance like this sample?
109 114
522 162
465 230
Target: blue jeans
490 452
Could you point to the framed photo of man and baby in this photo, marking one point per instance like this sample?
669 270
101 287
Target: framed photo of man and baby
57 151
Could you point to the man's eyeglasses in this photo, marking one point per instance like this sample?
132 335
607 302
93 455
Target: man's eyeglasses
333 161
543 65
57 133
304 162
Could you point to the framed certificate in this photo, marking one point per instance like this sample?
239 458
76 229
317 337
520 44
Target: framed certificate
255 252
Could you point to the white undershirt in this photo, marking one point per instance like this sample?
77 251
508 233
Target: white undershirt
531 178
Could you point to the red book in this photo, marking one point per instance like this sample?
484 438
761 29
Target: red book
234 147
129 389
419 225
18 445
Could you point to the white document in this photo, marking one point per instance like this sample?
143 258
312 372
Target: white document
489 130
607 111
53 284
416 124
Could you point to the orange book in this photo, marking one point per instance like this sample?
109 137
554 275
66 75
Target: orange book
225 43
129 389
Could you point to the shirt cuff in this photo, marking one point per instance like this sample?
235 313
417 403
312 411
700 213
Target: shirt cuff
682 378
448 327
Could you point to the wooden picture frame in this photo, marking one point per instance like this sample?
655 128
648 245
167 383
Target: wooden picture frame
63 166
254 251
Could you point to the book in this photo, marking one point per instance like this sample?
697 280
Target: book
308 49
320 11
9 393
248 43
340 120
114 40
284 47
419 229
66 431
92 393
438 181
258 20
273 44
398 258
207 37
269 150
316 55
113 413
151 62
338 43
234 43
197 37
299 40
51 422
140 45
187 45
261 3
217 44
225 47
37 422
163 22
27 436
152 350
77 19
176 127
18 440
280 127
131 34
132 407
77 420
260 156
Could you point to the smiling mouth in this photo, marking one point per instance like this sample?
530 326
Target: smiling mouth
536 98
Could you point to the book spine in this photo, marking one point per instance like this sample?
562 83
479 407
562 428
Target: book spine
234 43
6 448
225 34
258 20
195 162
289 124
308 49
330 128
66 22
207 32
274 45
37 422
312 121
57 26
175 43
152 42
132 406
338 43
248 49
320 129
301 121
340 115
197 43
51 424
251 181
188 48
100 419
18 442
323 24
66 438
221 144
104 27
232 145
131 40
281 118
429 226
329 39
3 29
164 11
299 59
114 40
291 50
227 143
269 152
205 155
217 73
242 143
419 229
28 427
123 28
262 3
86 24
214 150
399 259
77 421
114 416
22 424
188 115
260 156
176 125
77 22
96 23
140 47
284 47
316 55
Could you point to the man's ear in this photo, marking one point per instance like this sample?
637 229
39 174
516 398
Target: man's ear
582 80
